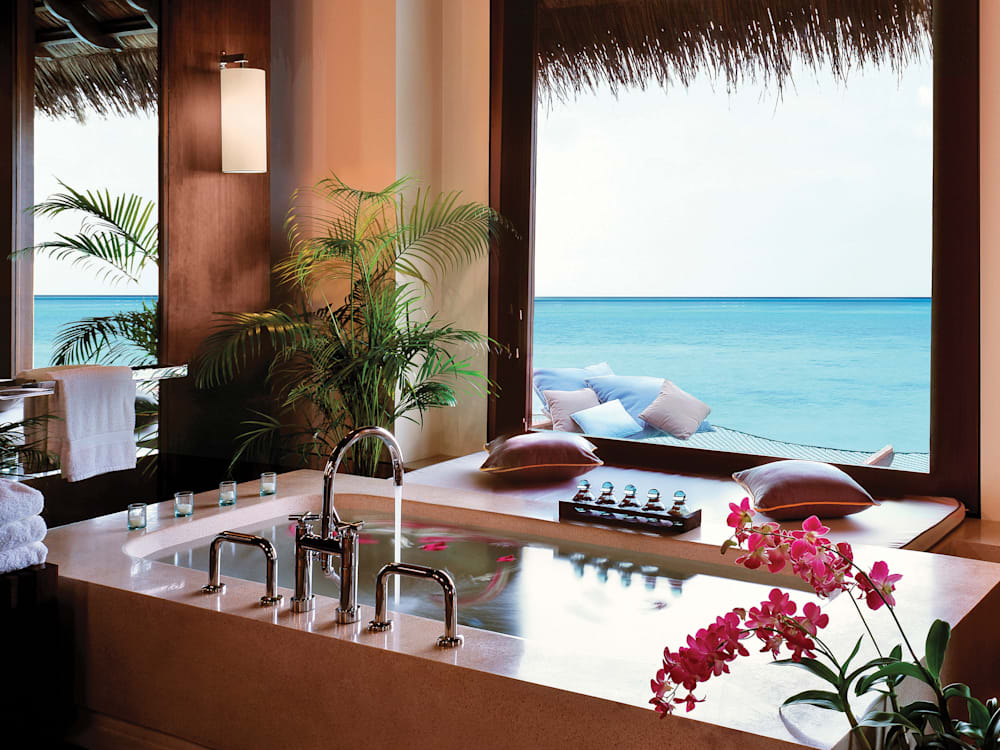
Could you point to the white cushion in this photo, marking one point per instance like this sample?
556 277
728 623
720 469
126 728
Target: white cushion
563 404
675 411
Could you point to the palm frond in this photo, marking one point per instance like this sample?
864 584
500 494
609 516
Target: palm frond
118 235
240 336
131 337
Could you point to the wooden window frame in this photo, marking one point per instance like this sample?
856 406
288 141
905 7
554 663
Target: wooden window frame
955 327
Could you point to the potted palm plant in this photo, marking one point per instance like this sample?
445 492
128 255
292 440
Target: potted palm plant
355 347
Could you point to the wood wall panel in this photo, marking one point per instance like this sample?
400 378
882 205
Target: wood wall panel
215 227
17 75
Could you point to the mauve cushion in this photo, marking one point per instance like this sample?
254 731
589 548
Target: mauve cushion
563 404
540 457
675 411
787 490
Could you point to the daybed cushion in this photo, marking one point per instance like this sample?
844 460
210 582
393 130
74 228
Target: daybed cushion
565 378
675 411
607 420
915 523
785 490
563 404
636 392
540 457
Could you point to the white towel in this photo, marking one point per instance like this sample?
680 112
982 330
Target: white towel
94 429
18 500
20 533
22 557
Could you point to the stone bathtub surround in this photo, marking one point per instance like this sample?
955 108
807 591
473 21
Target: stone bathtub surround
246 676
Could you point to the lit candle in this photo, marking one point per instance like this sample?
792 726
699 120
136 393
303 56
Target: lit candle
183 503
227 493
136 516
268 483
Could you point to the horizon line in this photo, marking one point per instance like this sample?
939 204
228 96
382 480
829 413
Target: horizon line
699 297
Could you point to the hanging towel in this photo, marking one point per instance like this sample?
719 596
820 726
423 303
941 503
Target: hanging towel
20 533
18 500
94 427
22 557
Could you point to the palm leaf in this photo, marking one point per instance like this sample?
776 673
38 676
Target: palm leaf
117 236
131 337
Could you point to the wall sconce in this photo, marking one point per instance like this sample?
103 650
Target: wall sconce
244 115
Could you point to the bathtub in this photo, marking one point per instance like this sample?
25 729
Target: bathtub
563 627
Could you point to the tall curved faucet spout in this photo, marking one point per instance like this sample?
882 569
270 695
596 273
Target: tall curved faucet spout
330 519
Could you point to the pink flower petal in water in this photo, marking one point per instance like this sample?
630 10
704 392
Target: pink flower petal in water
434 546
506 558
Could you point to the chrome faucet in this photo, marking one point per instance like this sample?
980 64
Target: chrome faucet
215 584
330 519
346 545
451 638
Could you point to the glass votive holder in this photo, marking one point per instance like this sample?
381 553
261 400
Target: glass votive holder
136 516
183 503
227 493
268 483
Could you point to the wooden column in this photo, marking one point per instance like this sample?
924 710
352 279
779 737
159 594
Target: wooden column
214 227
17 85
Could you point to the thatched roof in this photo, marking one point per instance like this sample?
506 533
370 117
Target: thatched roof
74 77
584 44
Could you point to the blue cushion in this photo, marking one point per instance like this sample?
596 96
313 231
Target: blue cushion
636 392
565 379
607 420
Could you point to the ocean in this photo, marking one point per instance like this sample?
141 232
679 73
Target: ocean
838 373
54 311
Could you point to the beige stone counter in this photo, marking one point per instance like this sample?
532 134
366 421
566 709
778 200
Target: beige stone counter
220 671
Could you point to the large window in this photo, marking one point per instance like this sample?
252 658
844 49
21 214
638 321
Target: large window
767 251
741 222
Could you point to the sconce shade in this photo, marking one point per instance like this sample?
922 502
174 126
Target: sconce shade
244 120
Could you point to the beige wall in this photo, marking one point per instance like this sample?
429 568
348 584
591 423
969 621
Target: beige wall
989 160
382 88
442 138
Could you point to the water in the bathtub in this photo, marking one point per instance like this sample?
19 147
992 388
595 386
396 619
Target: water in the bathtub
540 589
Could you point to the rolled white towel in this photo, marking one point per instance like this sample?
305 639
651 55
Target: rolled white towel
20 533
18 500
21 557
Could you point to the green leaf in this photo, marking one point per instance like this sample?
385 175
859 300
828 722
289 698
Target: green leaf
992 734
812 665
979 716
881 661
849 659
895 669
886 719
937 643
957 690
819 698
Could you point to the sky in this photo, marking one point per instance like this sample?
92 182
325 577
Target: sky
825 191
119 154
688 192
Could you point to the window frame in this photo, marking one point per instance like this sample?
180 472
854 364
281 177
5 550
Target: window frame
955 327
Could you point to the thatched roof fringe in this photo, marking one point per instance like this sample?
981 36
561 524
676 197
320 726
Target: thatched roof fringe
106 83
585 44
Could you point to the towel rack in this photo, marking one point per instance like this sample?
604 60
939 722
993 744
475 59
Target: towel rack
11 390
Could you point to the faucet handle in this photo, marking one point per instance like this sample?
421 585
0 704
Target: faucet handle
303 519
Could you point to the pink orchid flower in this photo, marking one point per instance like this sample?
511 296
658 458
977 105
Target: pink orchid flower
740 515
879 581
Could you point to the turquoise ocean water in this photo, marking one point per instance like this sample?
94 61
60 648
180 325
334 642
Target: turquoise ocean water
839 373
53 312
842 373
